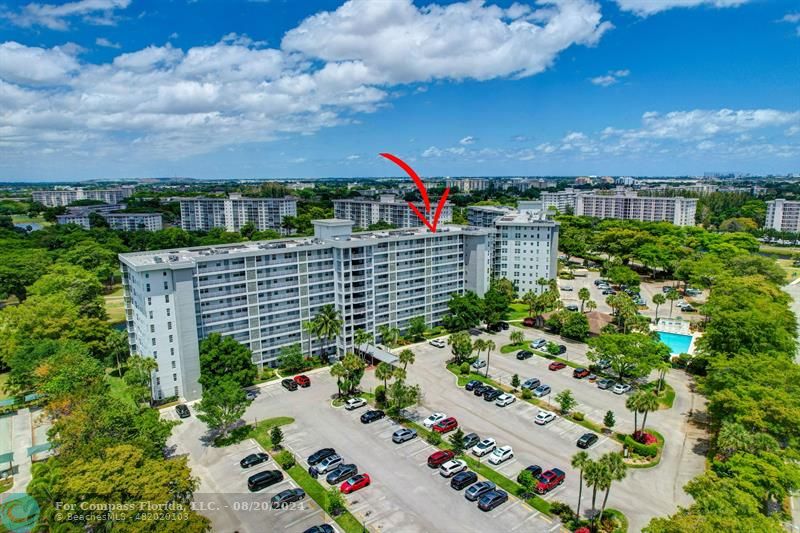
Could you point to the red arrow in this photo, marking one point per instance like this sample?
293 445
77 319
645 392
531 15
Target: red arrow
422 191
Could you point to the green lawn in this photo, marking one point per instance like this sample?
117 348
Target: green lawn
3 380
262 429
667 396
792 272
518 311
117 388
25 219
115 306
780 251
509 348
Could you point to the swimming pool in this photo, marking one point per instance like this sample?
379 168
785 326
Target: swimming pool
677 343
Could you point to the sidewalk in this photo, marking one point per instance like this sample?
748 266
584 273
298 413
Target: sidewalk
22 435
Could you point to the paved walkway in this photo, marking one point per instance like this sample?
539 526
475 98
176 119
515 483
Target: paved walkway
21 440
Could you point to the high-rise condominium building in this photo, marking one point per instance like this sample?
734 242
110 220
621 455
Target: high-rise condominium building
261 293
561 200
484 216
64 197
628 206
203 214
783 215
119 221
468 184
388 208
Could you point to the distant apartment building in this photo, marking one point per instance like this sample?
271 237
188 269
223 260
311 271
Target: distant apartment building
483 216
561 200
117 221
203 214
783 215
388 208
64 197
261 293
468 184
627 205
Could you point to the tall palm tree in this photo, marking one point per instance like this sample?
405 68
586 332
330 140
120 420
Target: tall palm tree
399 374
311 331
389 334
529 299
594 472
672 295
662 367
384 372
478 346
659 299
615 469
517 337
579 461
583 296
339 372
648 403
360 338
591 305
488 346
406 357
329 326
633 403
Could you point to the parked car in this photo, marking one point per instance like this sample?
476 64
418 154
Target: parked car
524 354
322 528
535 471
492 395
504 326
562 349
452 467
471 384
438 343
586 440
492 499
480 389
403 435
285 497
327 464
264 479
470 440
505 399
251 395
603 364
693 292
183 411
580 373
556 365
687 308
254 459
371 416
538 343
463 479
531 383
621 388
341 473
319 455
528 322
437 459
302 380
475 491
289 384
478 364
483 447
609 292
541 390
567 288
544 417
605 383
445 426
501 455
571 307
599 281
354 403
357 482
550 480
431 420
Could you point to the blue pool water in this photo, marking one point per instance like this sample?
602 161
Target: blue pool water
677 343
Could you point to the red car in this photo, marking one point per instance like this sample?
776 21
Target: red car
302 380
580 373
439 458
557 365
528 322
550 480
446 425
355 483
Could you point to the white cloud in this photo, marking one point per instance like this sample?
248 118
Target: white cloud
105 43
31 65
432 151
56 17
469 139
644 8
353 157
792 18
398 42
611 78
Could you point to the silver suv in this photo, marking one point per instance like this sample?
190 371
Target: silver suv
328 464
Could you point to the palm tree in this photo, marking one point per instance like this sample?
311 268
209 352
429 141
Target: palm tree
488 346
389 335
517 337
662 367
407 358
579 462
478 346
311 330
659 299
594 472
529 299
329 325
615 469
399 374
339 372
633 403
360 338
591 305
384 371
648 403
583 296
672 295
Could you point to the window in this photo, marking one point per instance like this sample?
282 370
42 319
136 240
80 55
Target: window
148 287
168 311
151 314
169 325
166 298
152 328
158 381
170 338
166 285
174 377
176 390
153 341
165 273
173 364
149 301
172 351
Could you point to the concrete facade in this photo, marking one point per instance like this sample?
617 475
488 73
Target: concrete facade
627 205
203 214
64 197
783 215
388 208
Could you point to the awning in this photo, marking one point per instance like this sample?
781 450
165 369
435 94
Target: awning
378 353
6 457
8 402
38 448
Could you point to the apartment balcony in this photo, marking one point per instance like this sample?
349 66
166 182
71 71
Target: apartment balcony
209 319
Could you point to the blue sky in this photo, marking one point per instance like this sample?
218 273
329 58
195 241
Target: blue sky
280 89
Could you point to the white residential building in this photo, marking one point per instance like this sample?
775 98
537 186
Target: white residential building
561 200
64 197
388 208
628 206
483 216
119 221
468 184
203 214
261 293
783 215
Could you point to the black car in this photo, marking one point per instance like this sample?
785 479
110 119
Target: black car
492 499
561 349
285 497
319 455
480 389
524 354
494 328
341 473
504 325
322 528
472 384
289 384
463 479
492 395
535 471
183 411
264 479
254 459
586 440
470 440
372 416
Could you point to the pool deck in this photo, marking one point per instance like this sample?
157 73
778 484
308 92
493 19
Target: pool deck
677 327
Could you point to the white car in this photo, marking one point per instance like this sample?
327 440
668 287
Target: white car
354 403
501 454
483 447
544 417
567 288
438 343
480 363
621 388
431 420
505 399
453 467
538 343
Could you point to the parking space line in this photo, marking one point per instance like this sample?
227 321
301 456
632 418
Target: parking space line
304 518
530 517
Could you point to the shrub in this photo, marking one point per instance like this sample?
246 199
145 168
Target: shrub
643 437
335 502
285 459
645 450
527 394
577 415
464 368
562 510
380 396
434 438
267 373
